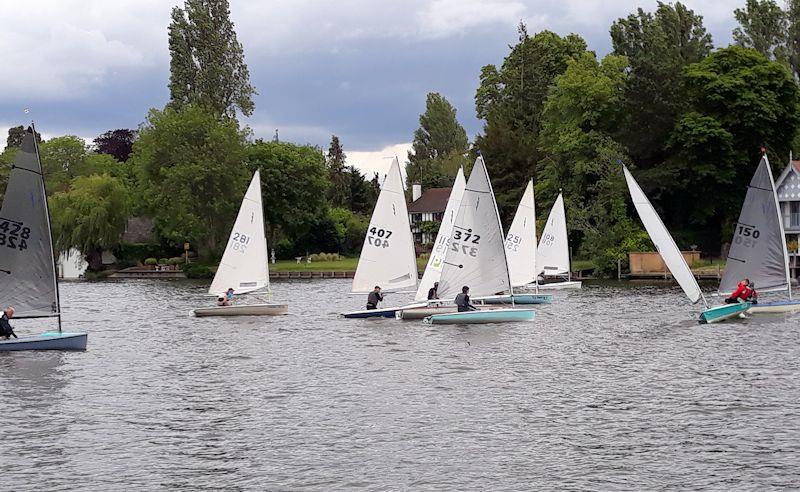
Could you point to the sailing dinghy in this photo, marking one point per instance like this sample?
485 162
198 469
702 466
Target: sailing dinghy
28 280
553 254
758 249
477 255
244 263
387 256
673 258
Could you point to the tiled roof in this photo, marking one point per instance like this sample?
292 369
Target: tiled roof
139 230
433 200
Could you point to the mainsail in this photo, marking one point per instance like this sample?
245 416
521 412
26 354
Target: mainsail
758 248
433 271
244 262
477 255
521 241
663 240
387 257
553 257
27 263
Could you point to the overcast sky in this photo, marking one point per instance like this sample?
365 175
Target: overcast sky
356 68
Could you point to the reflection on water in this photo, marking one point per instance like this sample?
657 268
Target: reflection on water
612 387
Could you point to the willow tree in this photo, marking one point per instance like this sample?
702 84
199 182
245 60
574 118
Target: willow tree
207 65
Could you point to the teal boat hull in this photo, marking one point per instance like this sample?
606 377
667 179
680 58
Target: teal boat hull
482 317
51 340
724 312
517 299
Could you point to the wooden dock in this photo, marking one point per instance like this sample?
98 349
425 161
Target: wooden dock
311 274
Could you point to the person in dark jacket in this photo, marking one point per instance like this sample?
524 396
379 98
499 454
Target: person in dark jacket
6 330
374 298
462 301
433 292
750 294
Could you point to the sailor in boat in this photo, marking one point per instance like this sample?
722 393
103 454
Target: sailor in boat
223 301
374 298
740 294
751 295
6 331
433 292
229 296
462 301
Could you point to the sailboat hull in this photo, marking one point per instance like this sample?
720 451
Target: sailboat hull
775 307
724 312
265 309
517 299
482 317
51 340
421 312
372 313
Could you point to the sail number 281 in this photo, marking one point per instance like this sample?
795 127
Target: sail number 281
14 234
240 242
379 237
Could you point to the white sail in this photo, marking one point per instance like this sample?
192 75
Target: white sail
663 240
27 264
521 241
477 255
244 262
758 249
433 271
387 257
553 257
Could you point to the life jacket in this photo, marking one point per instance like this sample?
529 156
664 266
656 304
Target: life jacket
740 291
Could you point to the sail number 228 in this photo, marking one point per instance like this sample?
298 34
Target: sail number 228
379 237
14 235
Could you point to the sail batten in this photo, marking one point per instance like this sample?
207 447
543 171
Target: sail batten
244 265
27 263
387 257
476 256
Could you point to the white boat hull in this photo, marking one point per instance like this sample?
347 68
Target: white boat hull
265 309
775 307
421 312
572 284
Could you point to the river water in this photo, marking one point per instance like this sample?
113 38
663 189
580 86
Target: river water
613 387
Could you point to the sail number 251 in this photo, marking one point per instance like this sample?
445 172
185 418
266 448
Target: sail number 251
14 235
379 237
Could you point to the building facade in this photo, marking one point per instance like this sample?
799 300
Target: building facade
428 206
788 188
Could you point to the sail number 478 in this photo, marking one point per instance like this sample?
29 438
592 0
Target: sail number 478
379 237
14 235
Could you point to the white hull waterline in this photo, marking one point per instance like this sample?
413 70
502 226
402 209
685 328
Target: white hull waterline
264 309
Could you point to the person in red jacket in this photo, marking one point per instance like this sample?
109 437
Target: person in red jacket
739 293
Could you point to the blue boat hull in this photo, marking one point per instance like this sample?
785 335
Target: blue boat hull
51 340
372 313
482 317
721 313
518 299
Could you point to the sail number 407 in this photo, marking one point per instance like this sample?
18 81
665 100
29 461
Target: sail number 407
379 237
746 236
14 235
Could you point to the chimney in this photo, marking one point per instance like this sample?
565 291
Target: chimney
416 191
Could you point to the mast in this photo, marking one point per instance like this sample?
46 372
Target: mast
780 224
49 228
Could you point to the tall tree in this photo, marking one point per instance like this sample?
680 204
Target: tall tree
116 143
90 217
658 46
763 26
207 65
793 36
15 135
510 100
339 188
66 158
440 145
190 172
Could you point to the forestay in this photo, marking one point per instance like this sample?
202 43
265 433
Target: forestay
663 240
387 257
758 248
244 262
521 241
553 254
433 271
27 263
476 256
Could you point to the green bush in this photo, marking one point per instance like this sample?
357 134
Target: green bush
197 271
176 260
151 261
163 261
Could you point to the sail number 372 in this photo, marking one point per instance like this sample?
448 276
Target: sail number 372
462 242
746 236
379 237
14 235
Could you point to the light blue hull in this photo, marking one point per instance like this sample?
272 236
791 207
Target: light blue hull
721 313
51 340
482 317
518 299
775 307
